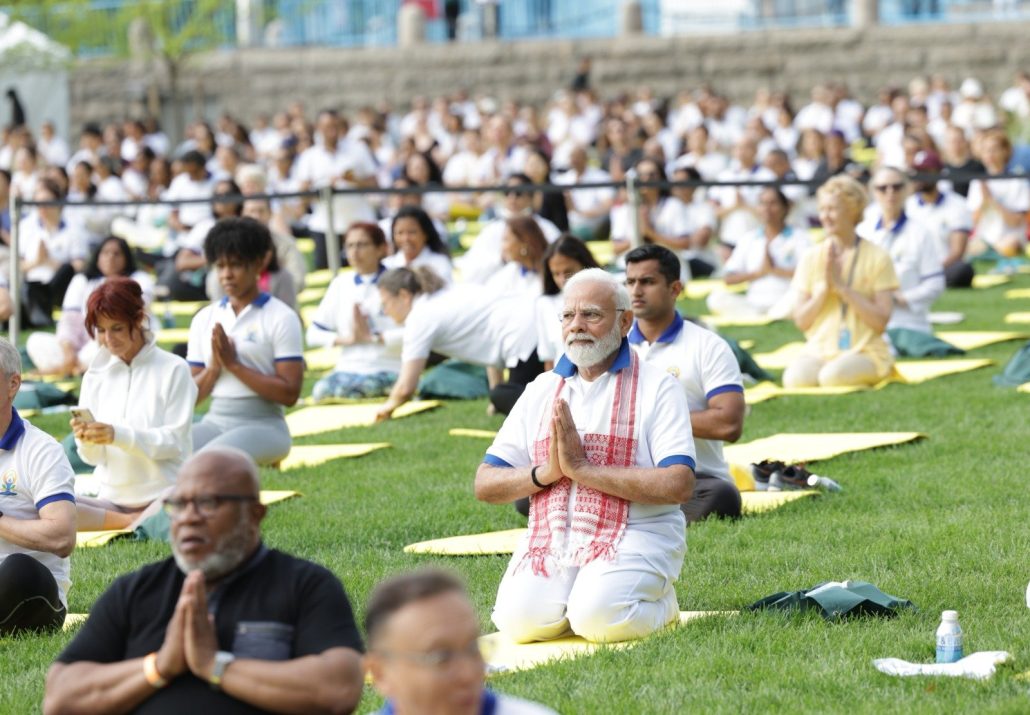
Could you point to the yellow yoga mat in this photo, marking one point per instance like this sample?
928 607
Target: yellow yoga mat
761 502
306 245
913 372
475 433
321 358
316 454
604 251
307 313
311 295
90 539
1018 293
179 308
492 542
699 289
506 656
990 281
1025 387
805 447
732 321
323 418
1017 318
768 390
318 278
274 496
779 358
973 339
173 335
74 620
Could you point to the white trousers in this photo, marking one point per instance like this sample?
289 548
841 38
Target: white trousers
604 601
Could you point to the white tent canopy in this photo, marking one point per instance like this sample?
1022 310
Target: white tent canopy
36 67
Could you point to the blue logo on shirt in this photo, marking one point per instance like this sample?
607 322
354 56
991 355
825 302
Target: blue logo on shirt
7 483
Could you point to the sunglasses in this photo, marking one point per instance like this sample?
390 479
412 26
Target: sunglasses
884 188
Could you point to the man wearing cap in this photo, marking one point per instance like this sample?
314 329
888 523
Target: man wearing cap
947 217
226 625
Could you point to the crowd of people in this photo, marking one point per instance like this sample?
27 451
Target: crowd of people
617 405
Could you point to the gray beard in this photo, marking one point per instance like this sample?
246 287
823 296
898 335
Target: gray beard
589 355
228 555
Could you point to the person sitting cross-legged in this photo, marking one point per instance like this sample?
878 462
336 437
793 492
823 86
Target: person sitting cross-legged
602 445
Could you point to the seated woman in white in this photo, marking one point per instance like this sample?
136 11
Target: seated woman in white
417 243
999 206
462 322
563 259
351 316
69 350
765 260
140 399
245 351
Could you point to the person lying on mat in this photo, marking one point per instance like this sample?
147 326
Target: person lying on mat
602 446
423 650
37 515
245 350
914 251
703 364
138 400
465 322
845 290
351 316
225 625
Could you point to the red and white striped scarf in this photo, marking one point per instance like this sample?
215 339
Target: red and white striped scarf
598 520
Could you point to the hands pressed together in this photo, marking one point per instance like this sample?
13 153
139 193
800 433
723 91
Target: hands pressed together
567 457
190 641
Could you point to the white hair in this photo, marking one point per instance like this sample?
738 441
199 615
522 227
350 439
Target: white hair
599 276
10 358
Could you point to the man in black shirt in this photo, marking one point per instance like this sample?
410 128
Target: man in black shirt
227 625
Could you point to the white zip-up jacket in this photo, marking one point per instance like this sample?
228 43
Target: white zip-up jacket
149 402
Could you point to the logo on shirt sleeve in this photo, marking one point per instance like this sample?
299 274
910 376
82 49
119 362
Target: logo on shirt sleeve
7 483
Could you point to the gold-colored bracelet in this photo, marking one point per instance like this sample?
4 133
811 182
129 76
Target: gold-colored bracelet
151 673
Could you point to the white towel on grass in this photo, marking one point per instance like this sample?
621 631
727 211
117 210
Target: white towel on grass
979 666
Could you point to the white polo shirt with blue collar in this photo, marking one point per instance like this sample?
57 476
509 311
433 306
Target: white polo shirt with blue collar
33 473
705 366
335 316
265 332
663 433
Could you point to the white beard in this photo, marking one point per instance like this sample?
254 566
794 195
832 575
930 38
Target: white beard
596 352
229 554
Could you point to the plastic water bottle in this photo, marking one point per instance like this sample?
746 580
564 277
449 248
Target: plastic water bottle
816 481
949 638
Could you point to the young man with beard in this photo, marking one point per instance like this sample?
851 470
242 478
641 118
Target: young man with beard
705 367
227 625
602 446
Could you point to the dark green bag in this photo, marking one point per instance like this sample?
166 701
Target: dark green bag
834 601
1017 371
35 395
913 343
453 379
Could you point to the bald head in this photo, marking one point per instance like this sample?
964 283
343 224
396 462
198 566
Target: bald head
228 468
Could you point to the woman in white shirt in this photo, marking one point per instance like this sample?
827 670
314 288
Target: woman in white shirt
70 350
999 206
563 259
351 316
463 322
417 243
140 399
522 249
245 350
764 259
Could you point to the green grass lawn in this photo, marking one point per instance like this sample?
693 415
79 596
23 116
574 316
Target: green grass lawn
942 522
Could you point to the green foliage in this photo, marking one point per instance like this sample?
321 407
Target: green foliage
942 522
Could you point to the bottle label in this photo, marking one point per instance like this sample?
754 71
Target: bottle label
949 648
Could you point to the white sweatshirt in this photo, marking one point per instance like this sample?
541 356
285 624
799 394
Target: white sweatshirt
150 405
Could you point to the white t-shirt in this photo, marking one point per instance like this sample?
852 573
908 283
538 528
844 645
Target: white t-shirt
465 323
265 332
150 405
1013 194
916 256
584 200
321 167
183 187
742 220
68 243
549 343
483 259
335 316
749 254
663 432
949 213
438 262
33 473
705 367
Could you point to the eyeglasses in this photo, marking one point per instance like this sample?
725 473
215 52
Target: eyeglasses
884 188
206 505
357 245
589 316
442 657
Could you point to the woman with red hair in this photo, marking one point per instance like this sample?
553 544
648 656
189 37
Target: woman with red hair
140 401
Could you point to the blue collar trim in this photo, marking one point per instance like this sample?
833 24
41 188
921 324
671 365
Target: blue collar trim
636 337
897 226
259 302
358 280
14 432
566 368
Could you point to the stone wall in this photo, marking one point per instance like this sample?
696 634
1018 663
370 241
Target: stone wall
250 81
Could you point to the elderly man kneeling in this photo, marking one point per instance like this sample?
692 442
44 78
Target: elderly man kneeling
602 445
